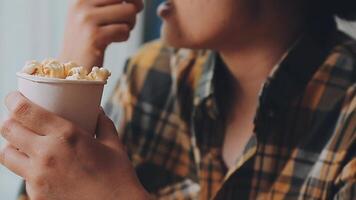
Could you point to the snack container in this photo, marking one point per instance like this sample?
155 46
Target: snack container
75 100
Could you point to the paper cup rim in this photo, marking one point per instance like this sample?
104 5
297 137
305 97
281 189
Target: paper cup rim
40 79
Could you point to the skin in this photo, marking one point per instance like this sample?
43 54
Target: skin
84 168
250 36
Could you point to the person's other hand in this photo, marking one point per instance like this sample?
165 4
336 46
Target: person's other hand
61 161
94 24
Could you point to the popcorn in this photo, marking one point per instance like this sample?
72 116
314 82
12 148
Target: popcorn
78 73
99 74
32 67
70 65
52 68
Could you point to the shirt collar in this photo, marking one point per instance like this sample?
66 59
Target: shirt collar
205 87
291 77
286 80
299 65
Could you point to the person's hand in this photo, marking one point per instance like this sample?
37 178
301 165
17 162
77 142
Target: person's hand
61 161
94 24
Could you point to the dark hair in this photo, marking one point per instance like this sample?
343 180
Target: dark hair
320 15
344 9
320 9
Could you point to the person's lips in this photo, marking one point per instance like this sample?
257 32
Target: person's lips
165 8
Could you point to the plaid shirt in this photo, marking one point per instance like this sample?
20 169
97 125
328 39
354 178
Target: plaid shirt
169 108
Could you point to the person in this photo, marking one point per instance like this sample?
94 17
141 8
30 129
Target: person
240 99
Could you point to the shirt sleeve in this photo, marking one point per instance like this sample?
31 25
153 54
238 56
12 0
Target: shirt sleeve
123 101
345 182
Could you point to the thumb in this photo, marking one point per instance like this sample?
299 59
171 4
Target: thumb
106 132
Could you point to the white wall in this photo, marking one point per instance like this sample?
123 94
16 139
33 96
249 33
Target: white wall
32 29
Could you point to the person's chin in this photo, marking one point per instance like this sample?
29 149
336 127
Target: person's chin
176 39
172 41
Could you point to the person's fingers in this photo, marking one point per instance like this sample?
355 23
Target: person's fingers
113 33
15 161
114 14
20 137
94 2
32 116
104 2
138 3
106 132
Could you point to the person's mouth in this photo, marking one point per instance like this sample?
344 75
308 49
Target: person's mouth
165 8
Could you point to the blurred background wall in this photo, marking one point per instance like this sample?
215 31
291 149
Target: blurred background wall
32 29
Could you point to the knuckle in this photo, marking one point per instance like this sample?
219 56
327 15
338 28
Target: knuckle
49 161
77 3
132 24
94 34
132 9
68 135
99 40
141 6
126 29
22 107
122 33
68 129
125 35
6 127
38 181
85 17
45 158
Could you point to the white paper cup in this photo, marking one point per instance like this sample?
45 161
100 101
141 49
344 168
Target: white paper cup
75 100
